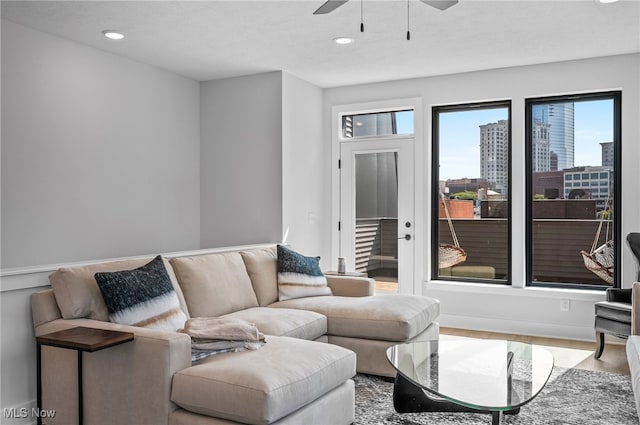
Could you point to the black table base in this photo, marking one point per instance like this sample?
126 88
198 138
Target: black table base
409 398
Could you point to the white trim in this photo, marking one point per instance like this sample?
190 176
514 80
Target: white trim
527 291
526 311
404 147
517 327
466 103
38 276
337 111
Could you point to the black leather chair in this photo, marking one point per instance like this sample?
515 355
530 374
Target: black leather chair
613 316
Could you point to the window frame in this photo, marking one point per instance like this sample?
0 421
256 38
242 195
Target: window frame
435 189
616 97
343 138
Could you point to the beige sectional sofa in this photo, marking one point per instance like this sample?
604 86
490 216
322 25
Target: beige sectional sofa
302 374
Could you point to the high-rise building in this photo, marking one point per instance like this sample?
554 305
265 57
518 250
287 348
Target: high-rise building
540 148
553 161
607 154
560 118
494 154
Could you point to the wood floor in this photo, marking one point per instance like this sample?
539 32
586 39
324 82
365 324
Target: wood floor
613 359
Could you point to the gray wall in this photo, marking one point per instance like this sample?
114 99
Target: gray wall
100 154
100 159
241 160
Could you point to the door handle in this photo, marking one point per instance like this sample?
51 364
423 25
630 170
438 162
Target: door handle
406 237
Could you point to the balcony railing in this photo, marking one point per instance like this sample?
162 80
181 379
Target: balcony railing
556 248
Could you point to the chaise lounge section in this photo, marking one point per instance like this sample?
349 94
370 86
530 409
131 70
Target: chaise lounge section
296 377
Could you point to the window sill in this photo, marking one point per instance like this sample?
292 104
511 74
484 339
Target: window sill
535 292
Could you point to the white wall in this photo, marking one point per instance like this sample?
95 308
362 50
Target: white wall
241 160
303 169
100 154
518 309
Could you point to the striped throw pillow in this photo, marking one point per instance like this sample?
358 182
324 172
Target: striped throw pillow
299 276
142 297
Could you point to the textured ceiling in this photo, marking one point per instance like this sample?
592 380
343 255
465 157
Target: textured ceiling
207 40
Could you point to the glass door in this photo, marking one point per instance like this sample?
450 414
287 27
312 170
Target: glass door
377 211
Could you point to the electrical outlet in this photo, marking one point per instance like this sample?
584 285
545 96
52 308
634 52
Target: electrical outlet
565 305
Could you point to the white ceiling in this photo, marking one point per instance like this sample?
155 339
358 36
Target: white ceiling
207 40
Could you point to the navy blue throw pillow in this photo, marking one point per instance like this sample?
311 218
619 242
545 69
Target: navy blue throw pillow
142 297
299 276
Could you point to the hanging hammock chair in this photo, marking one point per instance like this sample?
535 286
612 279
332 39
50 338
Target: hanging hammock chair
600 259
450 255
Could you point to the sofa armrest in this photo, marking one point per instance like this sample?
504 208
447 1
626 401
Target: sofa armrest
128 383
349 286
635 309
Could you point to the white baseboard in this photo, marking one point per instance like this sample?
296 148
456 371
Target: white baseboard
579 333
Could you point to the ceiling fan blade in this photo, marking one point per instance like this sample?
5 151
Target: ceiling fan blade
329 7
440 4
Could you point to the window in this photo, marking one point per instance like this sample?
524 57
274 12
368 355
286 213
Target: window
377 124
471 191
573 232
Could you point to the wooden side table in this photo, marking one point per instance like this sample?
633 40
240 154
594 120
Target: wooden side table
80 339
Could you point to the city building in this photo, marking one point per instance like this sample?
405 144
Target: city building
466 184
549 183
541 148
494 155
607 154
560 118
589 183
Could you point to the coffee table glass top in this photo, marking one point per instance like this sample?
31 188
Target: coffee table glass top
493 375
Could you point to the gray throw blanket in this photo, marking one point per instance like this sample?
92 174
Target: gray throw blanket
216 335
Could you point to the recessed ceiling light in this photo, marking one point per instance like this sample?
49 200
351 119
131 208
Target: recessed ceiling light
607 1
113 35
343 40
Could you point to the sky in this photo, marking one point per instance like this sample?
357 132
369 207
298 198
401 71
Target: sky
460 136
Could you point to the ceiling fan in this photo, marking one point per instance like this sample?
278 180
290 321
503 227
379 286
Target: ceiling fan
332 5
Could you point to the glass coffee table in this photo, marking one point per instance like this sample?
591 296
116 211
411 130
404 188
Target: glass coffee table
457 374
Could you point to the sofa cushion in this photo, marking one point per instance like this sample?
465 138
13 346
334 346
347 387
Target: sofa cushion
223 386
262 267
381 317
285 322
214 284
142 297
299 276
77 293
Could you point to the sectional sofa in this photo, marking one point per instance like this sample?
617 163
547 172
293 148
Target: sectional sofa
314 346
